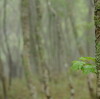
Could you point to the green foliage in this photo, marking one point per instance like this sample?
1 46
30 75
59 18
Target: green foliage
85 65
87 59
77 65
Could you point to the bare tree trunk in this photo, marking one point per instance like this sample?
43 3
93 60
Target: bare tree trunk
26 51
90 87
72 90
7 43
2 75
3 79
44 71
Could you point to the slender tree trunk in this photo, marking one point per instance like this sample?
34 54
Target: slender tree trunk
26 51
3 79
97 35
90 87
2 75
7 43
36 37
72 90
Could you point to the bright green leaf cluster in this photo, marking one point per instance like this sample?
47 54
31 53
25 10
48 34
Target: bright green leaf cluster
77 65
84 65
87 59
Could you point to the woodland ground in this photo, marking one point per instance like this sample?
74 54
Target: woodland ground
59 88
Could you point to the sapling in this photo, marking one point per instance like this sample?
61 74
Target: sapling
87 66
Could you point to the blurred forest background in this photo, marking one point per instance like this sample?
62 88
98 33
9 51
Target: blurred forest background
39 39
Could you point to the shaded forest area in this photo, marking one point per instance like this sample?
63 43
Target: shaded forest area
39 39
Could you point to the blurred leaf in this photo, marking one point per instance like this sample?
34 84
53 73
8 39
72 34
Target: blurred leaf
84 66
89 69
77 65
87 58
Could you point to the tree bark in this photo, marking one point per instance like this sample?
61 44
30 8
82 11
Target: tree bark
97 35
26 51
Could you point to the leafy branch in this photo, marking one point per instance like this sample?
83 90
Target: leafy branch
85 64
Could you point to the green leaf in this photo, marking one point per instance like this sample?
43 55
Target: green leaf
85 65
77 65
89 69
87 58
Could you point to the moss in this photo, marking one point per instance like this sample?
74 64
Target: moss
97 21
97 14
97 6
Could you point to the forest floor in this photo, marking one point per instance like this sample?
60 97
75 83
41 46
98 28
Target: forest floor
59 88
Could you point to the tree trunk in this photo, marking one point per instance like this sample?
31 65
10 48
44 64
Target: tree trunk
7 43
97 35
26 51
90 87
2 75
3 79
